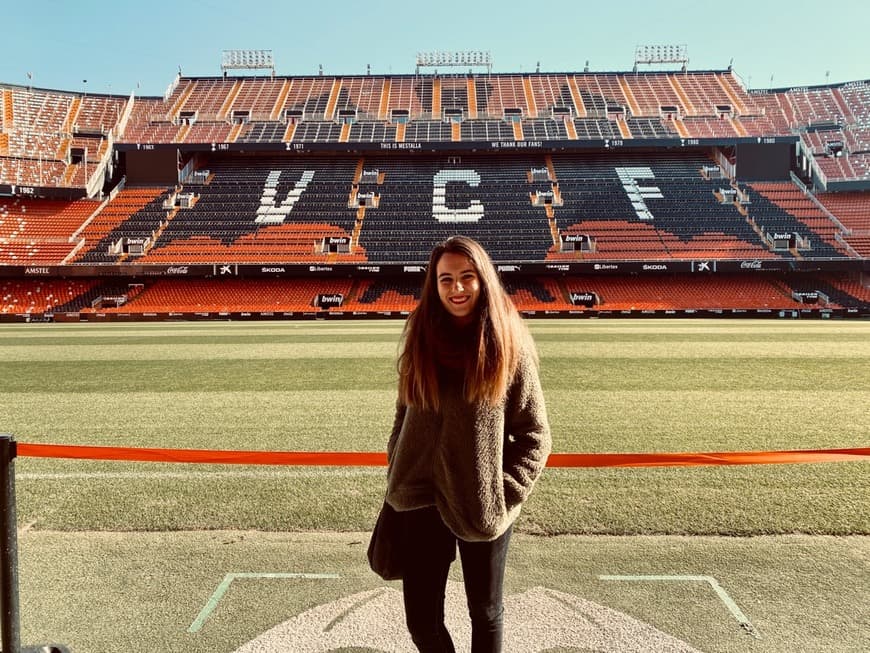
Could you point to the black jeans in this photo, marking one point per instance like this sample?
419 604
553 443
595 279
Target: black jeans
430 549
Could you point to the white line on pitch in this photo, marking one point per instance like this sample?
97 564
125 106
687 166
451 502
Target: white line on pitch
227 581
742 619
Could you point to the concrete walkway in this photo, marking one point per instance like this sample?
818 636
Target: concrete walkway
537 620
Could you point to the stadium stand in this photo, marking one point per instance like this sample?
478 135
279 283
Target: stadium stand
95 114
97 233
532 295
28 296
31 172
537 294
264 193
852 210
393 295
52 139
799 215
488 98
667 211
855 293
233 295
674 293
40 232
240 215
510 226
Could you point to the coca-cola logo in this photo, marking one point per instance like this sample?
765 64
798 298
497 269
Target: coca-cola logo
750 265
177 269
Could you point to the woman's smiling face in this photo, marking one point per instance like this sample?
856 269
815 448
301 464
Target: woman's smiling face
458 286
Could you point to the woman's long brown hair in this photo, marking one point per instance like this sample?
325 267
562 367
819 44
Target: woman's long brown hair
499 339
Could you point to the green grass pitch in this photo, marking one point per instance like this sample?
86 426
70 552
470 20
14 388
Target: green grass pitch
118 555
611 386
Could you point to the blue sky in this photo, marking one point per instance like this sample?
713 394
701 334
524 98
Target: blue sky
117 46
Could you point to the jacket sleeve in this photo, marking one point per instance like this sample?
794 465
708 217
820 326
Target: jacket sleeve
398 420
527 441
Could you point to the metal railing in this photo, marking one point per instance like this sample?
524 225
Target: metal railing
10 618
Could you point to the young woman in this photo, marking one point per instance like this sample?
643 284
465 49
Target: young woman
469 440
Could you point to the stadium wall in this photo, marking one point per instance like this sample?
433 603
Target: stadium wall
186 316
645 268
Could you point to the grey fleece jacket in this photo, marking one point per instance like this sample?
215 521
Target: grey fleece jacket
476 464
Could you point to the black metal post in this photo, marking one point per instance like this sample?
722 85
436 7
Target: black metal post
11 617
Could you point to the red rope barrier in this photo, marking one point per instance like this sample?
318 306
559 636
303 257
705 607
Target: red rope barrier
712 458
376 459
